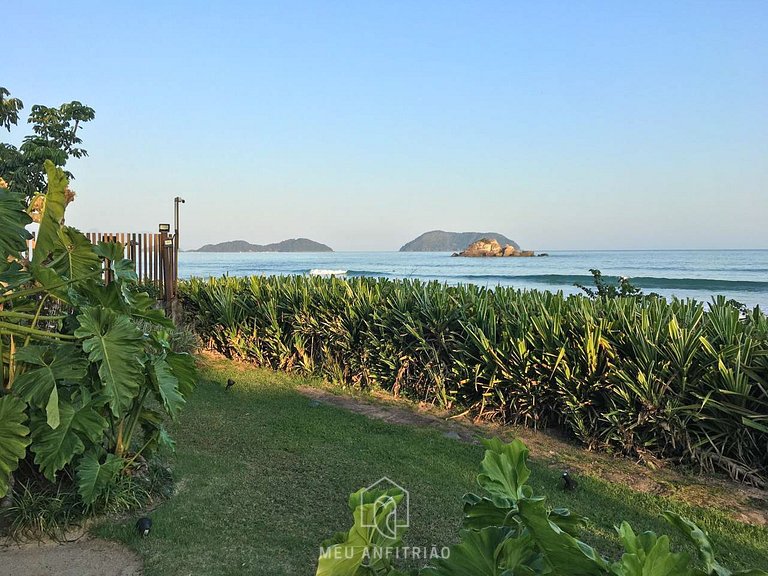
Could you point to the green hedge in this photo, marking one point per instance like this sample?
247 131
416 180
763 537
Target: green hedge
644 376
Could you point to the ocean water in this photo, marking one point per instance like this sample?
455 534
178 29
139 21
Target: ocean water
699 274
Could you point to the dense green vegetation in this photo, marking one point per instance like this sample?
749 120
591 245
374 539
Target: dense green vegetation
644 376
88 374
263 476
509 532
54 138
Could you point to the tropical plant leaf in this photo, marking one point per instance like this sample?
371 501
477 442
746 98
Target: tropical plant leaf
503 471
52 214
649 555
13 219
183 366
478 554
94 477
49 366
167 387
55 448
112 341
73 255
122 267
14 437
563 552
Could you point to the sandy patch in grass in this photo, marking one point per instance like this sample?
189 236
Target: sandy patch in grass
85 556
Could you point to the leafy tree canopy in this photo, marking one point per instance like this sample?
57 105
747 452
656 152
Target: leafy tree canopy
54 137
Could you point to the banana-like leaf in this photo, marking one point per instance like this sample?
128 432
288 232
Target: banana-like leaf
52 214
13 219
649 555
95 477
14 438
55 448
503 471
112 341
166 387
563 552
49 365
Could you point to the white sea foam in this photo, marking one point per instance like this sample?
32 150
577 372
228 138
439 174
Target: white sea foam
324 272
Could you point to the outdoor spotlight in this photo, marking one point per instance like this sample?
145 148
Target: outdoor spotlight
168 242
164 228
179 199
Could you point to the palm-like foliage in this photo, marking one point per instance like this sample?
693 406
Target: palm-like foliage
646 376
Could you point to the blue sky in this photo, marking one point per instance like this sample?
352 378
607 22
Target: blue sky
584 125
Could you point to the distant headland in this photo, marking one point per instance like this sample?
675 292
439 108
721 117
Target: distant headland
292 245
441 241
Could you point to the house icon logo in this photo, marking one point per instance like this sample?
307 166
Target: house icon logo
391 507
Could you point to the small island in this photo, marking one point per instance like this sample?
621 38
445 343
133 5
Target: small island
441 241
490 247
292 245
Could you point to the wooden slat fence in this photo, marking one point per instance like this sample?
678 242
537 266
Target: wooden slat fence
144 249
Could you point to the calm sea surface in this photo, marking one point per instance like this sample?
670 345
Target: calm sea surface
699 274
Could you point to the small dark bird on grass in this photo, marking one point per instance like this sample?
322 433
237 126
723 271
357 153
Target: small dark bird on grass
143 526
230 383
569 483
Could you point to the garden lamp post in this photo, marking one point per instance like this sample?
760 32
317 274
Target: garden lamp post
176 201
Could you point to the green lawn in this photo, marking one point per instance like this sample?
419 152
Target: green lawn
263 476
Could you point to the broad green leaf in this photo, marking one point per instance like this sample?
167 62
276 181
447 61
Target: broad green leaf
49 365
478 554
95 477
73 255
503 471
372 522
14 437
53 214
563 552
649 555
123 268
116 345
183 366
55 448
483 512
167 387
13 219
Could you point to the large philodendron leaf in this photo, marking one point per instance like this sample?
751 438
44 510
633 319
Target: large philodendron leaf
14 438
482 553
13 219
122 267
48 366
113 342
563 552
52 213
503 471
166 387
73 255
95 477
183 366
649 555
55 448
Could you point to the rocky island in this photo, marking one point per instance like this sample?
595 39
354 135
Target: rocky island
490 247
292 245
441 241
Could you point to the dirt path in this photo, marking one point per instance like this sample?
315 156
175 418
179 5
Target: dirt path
743 503
83 557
